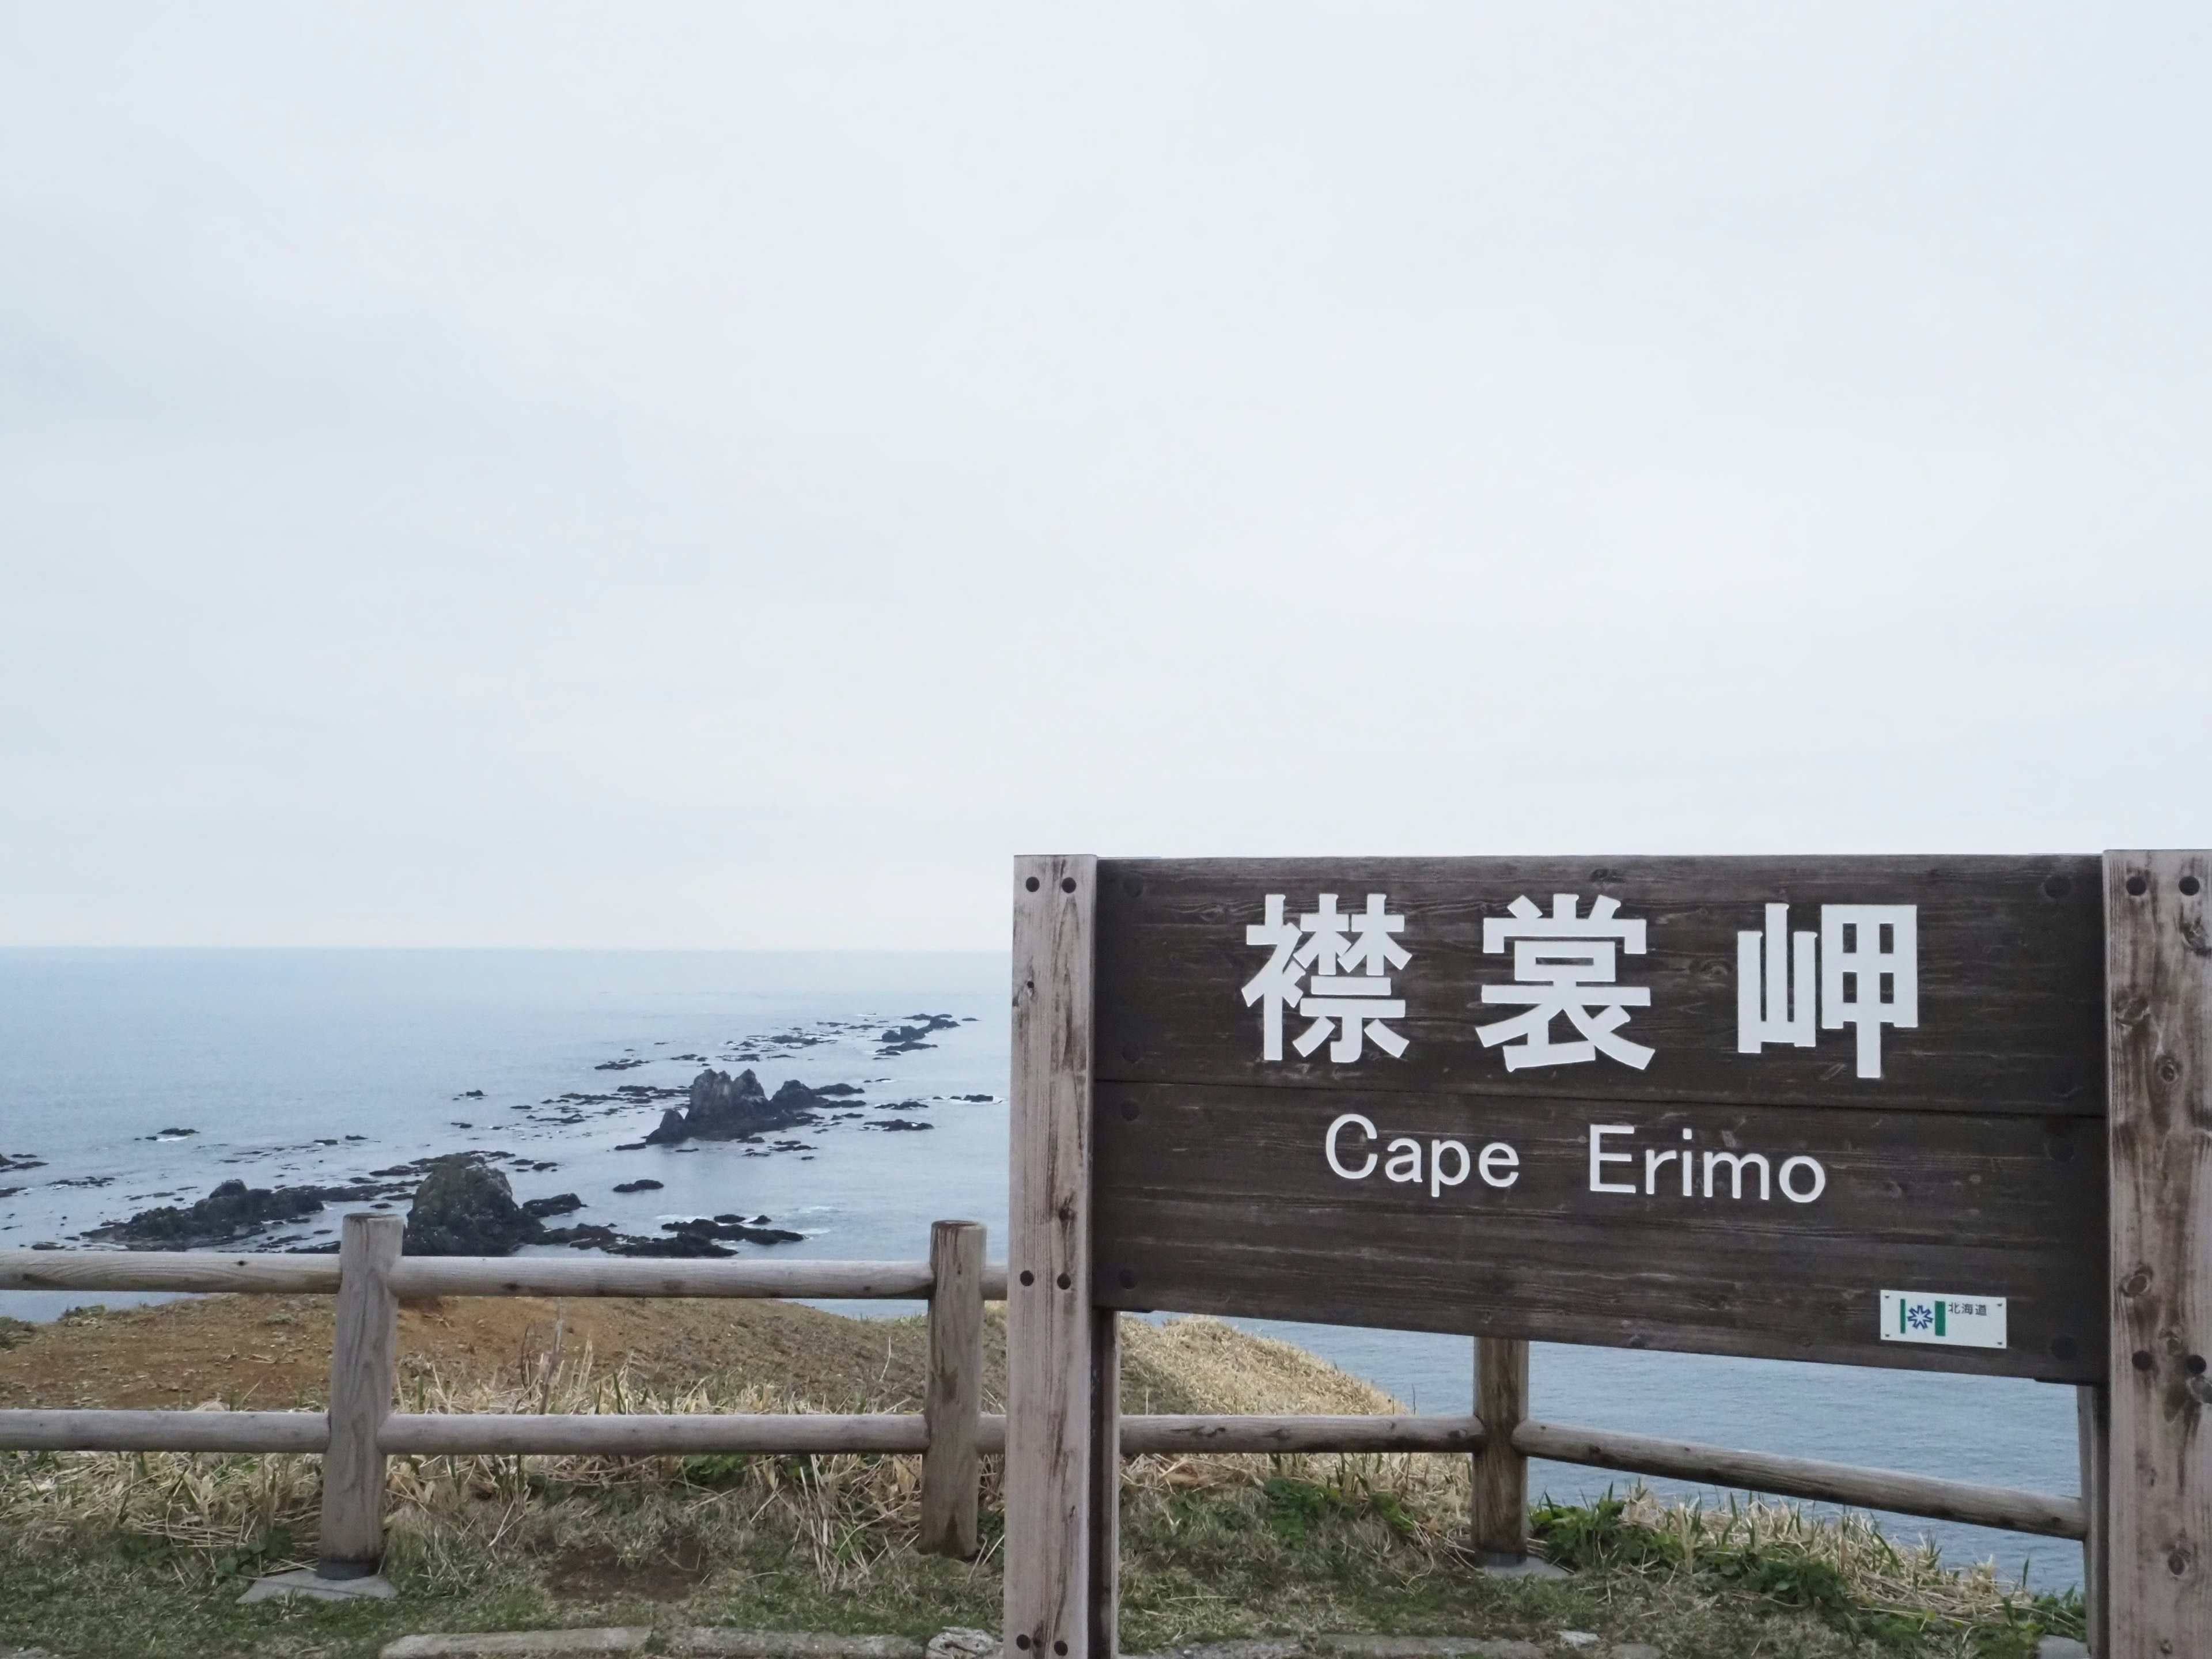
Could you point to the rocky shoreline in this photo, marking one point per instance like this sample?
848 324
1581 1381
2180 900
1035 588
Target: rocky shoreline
464 1204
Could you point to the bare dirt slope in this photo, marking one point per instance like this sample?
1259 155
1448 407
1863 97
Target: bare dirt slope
273 1353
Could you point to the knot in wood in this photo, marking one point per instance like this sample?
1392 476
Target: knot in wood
2130 1008
2169 1069
2177 1563
2136 1282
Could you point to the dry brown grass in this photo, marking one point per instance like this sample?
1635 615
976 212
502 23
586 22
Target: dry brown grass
1881 1573
853 1511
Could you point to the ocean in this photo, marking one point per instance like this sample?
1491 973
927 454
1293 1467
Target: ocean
130 1079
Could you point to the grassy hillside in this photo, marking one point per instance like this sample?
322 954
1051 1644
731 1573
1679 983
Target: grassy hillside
145 1555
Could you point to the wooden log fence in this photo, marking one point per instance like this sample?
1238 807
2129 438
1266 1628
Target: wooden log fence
362 1431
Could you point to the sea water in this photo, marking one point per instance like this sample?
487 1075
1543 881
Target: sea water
309 1067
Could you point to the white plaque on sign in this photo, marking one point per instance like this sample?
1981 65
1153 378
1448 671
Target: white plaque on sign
1953 1321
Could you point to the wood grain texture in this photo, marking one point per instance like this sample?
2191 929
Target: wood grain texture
166 1270
465 1275
1144 1436
1050 1324
1105 1589
2093 1426
2159 981
1891 1490
184 1431
952 1399
1220 1200
213 1271
672 1434
1499 1492
2009 975
364 1369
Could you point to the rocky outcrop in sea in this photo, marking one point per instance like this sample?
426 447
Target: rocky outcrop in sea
725 1108
232 1212
465 1207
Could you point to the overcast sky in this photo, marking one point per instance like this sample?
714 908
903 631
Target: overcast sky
655 476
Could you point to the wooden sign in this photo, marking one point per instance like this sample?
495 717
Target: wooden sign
1943 1113
1734 1106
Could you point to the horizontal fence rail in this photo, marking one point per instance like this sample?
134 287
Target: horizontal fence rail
167 1270
681 1434
1802 1477
426 1276
672 1434
169 1431
1142 1436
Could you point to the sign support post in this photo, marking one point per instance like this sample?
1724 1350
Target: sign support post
1105 1593
1500 1474
2096 1566
1055 1581
2158 979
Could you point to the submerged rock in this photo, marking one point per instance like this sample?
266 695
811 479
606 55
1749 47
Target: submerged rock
905 1039
731 1227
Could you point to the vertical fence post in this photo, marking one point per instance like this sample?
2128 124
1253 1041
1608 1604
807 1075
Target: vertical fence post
1106 1486
952 1404
1500 1474
1051 1327
364 1366
2089 1406
2158 1049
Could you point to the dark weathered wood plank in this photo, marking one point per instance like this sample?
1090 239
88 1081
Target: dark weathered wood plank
2159 979
1051 1326
1220 1200
1500 1484
2009 961
364 1371
952 1404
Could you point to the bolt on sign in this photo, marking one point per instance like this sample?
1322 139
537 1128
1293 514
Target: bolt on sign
1947 1114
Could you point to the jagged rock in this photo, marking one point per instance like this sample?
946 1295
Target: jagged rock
233 1211
465 1207
637 1186
725 1108
793 1097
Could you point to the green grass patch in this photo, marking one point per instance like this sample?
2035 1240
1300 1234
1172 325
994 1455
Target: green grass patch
1280 1555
